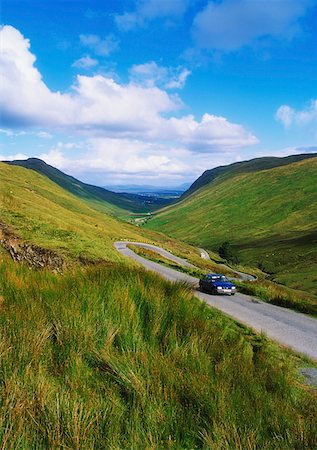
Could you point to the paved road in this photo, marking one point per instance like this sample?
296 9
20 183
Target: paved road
242 276
287 327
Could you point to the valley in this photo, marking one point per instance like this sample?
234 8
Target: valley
158 225
268 215
99 340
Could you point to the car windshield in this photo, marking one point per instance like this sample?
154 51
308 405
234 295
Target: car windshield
217 278
223 278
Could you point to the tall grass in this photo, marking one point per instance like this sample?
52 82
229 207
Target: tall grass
114 357
280 295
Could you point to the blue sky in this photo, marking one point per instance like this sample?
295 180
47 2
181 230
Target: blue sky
156 91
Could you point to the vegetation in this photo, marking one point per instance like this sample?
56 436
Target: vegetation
114 357
100 198
254 165
264 289
156 257
42 212
111 356
269 217
227 252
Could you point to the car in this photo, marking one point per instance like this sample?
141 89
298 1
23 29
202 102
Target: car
215 283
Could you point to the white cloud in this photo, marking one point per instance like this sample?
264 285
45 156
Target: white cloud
289 116
100 46
285 114
86 62
147 10
116 159
127 128
231 24
13 157
44 135
40 134
100 105
179 80
151 74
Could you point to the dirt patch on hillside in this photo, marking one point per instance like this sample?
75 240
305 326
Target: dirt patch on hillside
31 254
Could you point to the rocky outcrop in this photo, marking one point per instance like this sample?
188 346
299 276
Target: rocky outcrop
31 254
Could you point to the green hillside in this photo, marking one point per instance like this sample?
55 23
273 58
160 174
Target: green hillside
269 215
111 356
254 165
98 197
42 212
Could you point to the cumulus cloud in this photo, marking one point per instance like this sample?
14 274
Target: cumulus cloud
231 24
13 157
151 74
104 160
100 46
147 10
101 106
289 116
86 62
134 128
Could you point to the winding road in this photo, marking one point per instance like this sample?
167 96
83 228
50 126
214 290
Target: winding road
289 328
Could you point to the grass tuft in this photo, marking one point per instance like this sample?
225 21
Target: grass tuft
115 357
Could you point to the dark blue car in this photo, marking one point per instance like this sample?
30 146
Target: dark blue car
215 283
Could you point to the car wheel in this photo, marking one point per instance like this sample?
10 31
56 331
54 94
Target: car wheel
232 293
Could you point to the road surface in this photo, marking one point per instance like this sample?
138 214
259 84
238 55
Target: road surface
242 276
289 328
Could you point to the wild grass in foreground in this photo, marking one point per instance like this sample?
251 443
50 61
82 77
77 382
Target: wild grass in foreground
116 358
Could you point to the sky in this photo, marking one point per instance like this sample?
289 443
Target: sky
156 91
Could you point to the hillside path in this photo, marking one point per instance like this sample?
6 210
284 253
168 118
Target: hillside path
289 328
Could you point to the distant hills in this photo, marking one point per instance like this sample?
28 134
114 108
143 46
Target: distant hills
266 207
148 188
99 197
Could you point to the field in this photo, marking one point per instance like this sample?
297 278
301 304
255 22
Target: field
269 217
114 357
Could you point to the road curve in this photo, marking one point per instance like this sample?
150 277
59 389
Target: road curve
242 276
289 328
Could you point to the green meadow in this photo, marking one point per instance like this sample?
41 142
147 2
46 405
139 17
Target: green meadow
269 216
115 357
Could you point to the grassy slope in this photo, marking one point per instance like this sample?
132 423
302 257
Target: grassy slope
115 357
45 214
118 358
243 167
42 212
100 198
270 215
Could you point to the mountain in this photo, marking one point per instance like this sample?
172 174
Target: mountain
45 214
269 215
99 197
254 165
